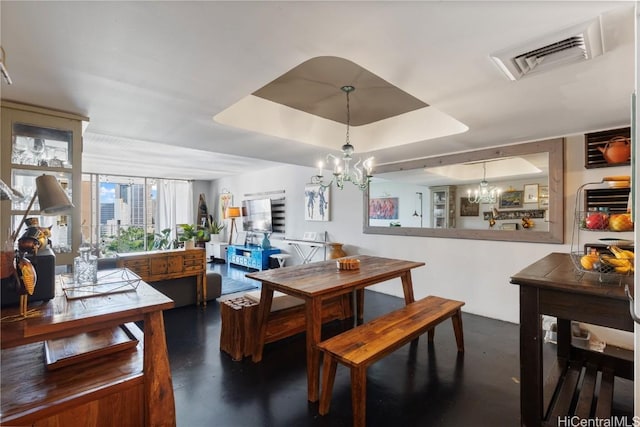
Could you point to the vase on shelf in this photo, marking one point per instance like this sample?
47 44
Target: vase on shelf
266 244
336 251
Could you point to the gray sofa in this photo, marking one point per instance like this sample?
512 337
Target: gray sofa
182 291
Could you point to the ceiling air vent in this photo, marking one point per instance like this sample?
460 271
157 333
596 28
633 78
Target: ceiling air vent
576 44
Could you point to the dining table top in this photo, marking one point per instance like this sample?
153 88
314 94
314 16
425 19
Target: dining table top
324 277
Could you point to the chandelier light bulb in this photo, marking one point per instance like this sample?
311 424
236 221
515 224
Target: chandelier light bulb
484 193
359 174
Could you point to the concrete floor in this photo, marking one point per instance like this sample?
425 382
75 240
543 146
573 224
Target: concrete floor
423 385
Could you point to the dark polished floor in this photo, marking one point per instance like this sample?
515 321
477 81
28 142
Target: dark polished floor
423 385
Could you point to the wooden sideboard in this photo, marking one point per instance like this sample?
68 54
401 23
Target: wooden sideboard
129 387
153 266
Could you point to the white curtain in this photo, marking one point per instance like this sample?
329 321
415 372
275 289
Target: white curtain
175 204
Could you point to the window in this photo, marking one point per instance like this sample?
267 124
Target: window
125 214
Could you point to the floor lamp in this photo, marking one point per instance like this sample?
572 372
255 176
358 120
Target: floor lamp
233 212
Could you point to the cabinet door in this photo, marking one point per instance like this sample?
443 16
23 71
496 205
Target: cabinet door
159 266
38 141
60 226
175 264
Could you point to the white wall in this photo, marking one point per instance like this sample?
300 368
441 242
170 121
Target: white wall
474 271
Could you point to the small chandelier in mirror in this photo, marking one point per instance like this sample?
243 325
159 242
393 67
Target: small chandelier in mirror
484 193
359 174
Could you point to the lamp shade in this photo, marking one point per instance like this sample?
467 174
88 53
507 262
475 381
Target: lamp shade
51 196
233 212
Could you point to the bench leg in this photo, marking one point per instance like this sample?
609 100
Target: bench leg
328 377
359 395
431 333
457 329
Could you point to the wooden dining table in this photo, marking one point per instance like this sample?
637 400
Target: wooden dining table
316 282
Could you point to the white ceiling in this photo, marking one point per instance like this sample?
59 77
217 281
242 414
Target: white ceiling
151 75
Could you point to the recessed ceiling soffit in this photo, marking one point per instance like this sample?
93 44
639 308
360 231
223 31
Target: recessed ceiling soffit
307 104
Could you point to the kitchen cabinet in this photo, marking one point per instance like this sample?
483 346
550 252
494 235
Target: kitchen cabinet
38 141
443 206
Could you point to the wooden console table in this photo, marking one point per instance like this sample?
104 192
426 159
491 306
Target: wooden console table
552 286
153 266
130 387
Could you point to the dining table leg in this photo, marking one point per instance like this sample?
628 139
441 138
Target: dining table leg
359 305
264 308
407 287
313 316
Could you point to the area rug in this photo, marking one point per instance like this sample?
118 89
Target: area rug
232 286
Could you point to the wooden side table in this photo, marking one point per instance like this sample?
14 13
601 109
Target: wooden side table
130 387
551 286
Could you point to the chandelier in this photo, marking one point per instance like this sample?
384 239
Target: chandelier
359 174
484 193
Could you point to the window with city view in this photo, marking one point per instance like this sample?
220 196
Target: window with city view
122 214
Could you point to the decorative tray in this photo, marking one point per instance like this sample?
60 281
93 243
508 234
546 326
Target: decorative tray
109 282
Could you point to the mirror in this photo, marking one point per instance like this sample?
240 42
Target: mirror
436 196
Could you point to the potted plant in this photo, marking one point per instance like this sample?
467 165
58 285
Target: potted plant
190 233
215 229
161 240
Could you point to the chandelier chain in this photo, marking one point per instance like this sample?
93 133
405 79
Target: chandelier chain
348 89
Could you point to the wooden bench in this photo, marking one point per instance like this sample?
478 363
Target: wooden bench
239 321
363 345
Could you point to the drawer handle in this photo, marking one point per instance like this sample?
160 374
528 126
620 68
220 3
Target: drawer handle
632 311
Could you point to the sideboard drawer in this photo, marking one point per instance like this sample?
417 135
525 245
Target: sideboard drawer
175 264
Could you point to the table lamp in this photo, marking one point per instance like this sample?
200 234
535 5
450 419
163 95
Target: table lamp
53 200
233 212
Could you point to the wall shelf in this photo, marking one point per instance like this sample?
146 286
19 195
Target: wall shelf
593 158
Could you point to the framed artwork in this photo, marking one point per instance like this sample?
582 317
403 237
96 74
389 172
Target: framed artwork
467 208
240 238
543 197
310 235
543 203
511 199
383 208
531 193
316 202
543 191
225 200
